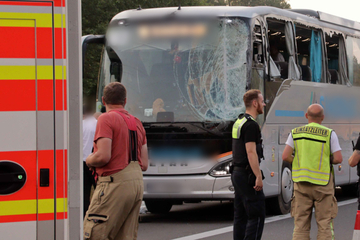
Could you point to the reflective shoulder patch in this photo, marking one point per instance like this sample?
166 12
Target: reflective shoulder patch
237 127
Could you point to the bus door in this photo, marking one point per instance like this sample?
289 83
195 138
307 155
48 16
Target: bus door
32 147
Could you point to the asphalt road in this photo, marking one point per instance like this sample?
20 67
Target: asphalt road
213 220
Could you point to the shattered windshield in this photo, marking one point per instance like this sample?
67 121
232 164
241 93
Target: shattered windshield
196 72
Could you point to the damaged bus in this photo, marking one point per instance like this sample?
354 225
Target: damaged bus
186 70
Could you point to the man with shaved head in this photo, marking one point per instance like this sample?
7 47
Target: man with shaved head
312 149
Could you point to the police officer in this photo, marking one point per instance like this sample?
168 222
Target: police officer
354 160
246 177
316 148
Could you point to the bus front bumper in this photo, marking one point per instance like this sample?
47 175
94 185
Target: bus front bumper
188 187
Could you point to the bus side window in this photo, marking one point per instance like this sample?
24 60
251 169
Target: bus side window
332 48
310 54
277 47
258 45
115 66
353 57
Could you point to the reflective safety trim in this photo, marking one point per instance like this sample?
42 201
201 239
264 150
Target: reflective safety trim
321 156
42 19
23 207
17 61
237 128
20 131
33 9
304 169
28 72
17 207
304 176
297 154
18 230
30 62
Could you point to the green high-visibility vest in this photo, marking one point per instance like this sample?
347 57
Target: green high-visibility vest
312 154
238 125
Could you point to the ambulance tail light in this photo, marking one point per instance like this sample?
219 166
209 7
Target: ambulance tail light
222 169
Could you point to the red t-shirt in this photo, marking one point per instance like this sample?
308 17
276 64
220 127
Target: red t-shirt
112 125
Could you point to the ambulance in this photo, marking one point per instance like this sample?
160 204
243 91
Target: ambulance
38 41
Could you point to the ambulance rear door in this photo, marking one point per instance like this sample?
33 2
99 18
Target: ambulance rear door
33 201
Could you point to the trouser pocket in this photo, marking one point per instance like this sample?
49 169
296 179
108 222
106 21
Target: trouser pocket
334 209
292 210
95 227
255 208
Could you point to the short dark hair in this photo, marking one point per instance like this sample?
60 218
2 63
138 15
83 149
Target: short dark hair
251 95
115 93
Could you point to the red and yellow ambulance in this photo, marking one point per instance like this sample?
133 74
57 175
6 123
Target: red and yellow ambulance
33 116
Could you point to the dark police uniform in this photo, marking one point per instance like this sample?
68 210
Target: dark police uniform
249 204
357 147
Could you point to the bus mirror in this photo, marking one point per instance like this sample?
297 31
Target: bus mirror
90 39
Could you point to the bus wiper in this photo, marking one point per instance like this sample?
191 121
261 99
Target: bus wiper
143 44
205 129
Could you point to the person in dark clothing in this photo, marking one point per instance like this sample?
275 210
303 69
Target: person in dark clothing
249 203
354 160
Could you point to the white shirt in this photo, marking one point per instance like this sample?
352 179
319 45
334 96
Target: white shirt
89 127
334 144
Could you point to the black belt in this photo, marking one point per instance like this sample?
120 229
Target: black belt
239 168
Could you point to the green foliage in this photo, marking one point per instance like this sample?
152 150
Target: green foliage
96 14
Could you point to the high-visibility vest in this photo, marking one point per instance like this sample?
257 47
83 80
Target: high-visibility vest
312 154
238 125
236 132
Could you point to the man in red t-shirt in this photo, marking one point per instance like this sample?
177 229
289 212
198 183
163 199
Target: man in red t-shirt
120 154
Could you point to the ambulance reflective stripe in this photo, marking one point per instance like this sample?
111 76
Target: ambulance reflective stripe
29 72
57 3
42 19
21 40
312 154
22 207
34 114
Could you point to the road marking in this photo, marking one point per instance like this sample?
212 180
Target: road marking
230 228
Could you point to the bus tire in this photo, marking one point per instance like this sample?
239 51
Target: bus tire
282 203
158 206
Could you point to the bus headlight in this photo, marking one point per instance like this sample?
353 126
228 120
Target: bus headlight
222 169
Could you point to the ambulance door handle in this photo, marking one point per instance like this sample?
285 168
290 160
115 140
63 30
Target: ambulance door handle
14 177
44 177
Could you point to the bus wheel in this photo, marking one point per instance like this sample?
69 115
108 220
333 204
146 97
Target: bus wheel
158 206
282 203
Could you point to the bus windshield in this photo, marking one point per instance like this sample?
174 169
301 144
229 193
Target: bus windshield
179 72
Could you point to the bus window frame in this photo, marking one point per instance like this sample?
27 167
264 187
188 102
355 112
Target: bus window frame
261 66
353 37
324 72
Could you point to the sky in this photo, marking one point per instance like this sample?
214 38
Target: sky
349 9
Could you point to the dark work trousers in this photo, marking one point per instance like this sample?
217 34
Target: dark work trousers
249 208
88 182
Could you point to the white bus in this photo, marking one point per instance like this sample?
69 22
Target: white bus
186 70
